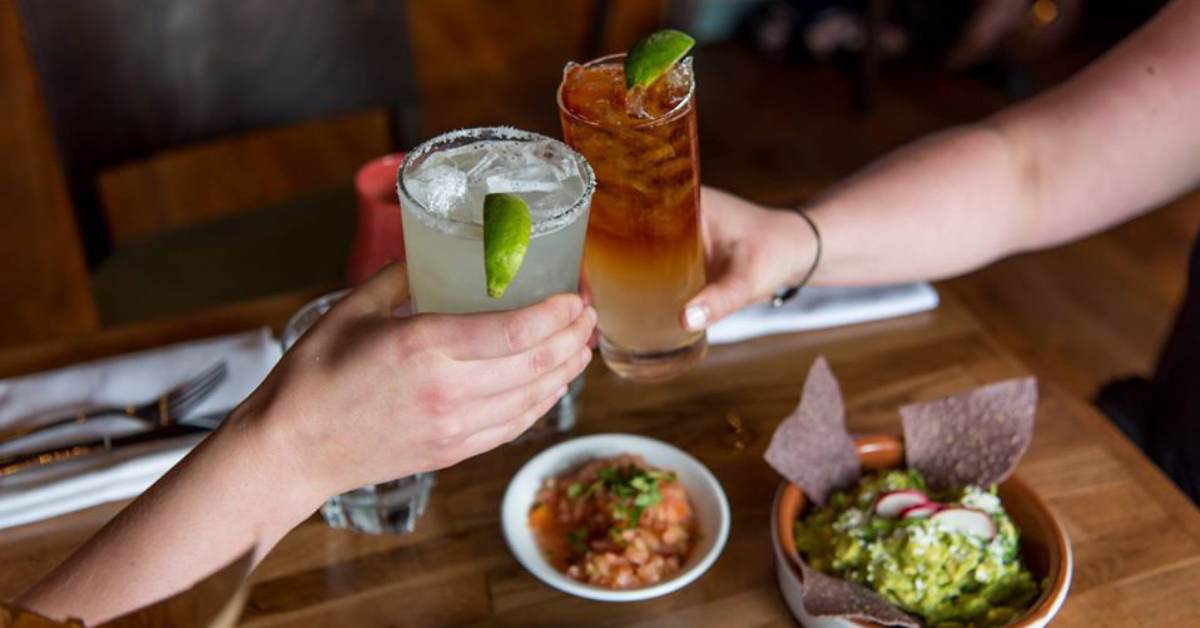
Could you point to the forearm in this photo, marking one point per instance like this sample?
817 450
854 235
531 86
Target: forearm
361 398
1113 142
232 493
942 206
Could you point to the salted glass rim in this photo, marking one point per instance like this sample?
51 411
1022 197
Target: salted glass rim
679 110
543 225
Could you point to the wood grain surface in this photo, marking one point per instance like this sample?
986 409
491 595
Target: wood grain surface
1136 538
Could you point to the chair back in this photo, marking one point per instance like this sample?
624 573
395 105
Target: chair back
126 79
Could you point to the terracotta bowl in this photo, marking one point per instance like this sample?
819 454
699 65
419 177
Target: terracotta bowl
1045 547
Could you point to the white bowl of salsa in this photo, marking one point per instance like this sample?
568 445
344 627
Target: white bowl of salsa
709 510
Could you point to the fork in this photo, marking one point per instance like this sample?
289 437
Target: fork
164 411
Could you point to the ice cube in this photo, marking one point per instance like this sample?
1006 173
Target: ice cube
552 156
679 78
644 103
635 103
542 180
444 188
522 167
565 168
547 204
477 172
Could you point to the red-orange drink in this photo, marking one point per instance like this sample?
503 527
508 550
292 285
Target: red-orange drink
643 258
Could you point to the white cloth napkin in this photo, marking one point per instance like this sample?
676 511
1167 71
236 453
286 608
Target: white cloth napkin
128 379
819 307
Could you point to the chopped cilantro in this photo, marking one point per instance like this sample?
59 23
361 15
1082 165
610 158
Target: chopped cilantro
637 489
577 538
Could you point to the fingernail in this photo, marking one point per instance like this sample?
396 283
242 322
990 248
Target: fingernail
576 308
586 355
561 391
590 312
696 316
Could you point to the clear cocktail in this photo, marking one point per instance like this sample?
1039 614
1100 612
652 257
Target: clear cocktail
442 185
644 256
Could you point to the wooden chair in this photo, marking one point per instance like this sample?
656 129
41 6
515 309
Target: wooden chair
124 80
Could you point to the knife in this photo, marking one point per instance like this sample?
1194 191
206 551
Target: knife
16 463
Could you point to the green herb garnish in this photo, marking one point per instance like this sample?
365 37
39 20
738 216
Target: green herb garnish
577 538
637 489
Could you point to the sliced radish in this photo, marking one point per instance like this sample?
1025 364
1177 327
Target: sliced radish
968 521
921 511
890 505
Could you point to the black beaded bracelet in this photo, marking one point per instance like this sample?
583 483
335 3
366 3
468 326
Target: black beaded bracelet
786 294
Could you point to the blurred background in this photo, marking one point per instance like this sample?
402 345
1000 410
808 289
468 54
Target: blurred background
169 157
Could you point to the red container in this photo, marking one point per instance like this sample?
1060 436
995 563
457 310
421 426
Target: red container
380 236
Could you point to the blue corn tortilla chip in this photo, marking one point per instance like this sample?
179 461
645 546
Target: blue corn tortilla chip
828 596
811 448
976 437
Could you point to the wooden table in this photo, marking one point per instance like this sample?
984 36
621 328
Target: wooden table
1136 538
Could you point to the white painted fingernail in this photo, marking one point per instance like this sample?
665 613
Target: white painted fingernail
696 316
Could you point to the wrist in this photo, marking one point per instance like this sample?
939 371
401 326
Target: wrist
261 447
803 246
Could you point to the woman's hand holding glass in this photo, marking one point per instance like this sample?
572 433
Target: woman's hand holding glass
367 397
751 252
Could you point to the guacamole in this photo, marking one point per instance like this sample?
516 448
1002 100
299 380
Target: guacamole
923 563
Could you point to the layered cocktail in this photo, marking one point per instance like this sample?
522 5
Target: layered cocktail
644 258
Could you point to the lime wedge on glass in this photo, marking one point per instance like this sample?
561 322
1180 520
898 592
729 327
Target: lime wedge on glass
506 226
651 57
